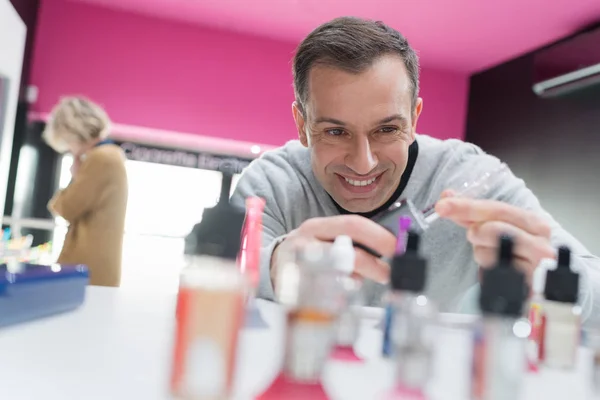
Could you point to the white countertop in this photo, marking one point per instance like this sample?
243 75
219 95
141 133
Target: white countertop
118 346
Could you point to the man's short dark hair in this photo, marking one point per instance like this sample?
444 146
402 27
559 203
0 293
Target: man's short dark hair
352 45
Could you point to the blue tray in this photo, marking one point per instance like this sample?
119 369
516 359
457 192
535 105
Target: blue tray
37 291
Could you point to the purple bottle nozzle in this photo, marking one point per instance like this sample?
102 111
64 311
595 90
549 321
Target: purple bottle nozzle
404 223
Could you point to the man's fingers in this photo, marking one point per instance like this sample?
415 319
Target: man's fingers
465 224
370 267
487 257
447 193
527 246
464 209
360 229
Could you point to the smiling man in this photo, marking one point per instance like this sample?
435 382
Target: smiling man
357 105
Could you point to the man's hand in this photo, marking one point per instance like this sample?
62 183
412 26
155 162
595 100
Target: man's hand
360 229
487 220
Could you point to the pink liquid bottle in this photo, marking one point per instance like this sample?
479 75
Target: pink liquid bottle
249 260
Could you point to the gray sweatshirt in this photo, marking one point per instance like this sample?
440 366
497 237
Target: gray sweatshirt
284 178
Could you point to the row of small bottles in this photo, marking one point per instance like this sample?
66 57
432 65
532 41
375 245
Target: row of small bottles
323 321
322 299
500 337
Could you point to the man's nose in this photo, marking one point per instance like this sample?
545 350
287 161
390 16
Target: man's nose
361 159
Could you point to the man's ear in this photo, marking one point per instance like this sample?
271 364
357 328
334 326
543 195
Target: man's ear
417 113
300 123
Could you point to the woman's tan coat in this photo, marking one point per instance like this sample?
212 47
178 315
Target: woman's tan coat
94 204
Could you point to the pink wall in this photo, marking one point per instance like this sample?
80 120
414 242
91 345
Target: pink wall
166 75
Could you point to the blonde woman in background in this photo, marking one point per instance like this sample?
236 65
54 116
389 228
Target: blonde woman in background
95 200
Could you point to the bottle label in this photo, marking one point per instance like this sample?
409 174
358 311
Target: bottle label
309 345
498 361
479 365
205 371
387 348
348 327
596 373
562 340
206 336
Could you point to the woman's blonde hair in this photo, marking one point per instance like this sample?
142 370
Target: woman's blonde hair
75 119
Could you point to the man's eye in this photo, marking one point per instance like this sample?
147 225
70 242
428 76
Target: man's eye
388 129
335 132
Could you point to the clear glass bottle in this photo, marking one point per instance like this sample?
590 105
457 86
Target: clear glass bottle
348 322
499 357
413 337
562 314
414 317
312 295
591 340
311 325
500 337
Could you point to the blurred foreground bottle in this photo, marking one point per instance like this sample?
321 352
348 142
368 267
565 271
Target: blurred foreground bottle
499 357
562 314
413 321
311 291
210 307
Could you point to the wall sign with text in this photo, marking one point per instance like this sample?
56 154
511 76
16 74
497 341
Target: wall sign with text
184 158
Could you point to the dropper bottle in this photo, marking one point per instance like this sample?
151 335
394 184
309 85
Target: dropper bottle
311 317
403 225
211 286
414 319
562 314
500 337
348 323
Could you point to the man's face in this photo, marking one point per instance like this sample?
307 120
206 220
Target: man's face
358 128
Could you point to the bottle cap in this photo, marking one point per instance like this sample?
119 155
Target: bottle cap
562 284
409 270
503 287
343 254
219 232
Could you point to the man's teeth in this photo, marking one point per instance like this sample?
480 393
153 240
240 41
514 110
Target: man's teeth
360 183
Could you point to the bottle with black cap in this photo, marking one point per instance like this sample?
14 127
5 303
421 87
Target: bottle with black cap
210 305
414 316
500 338
562 314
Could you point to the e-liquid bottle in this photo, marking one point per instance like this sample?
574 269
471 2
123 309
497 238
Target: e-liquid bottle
210 308
310 325
414 318
403 225
348 322
500 337
562 314
590 337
